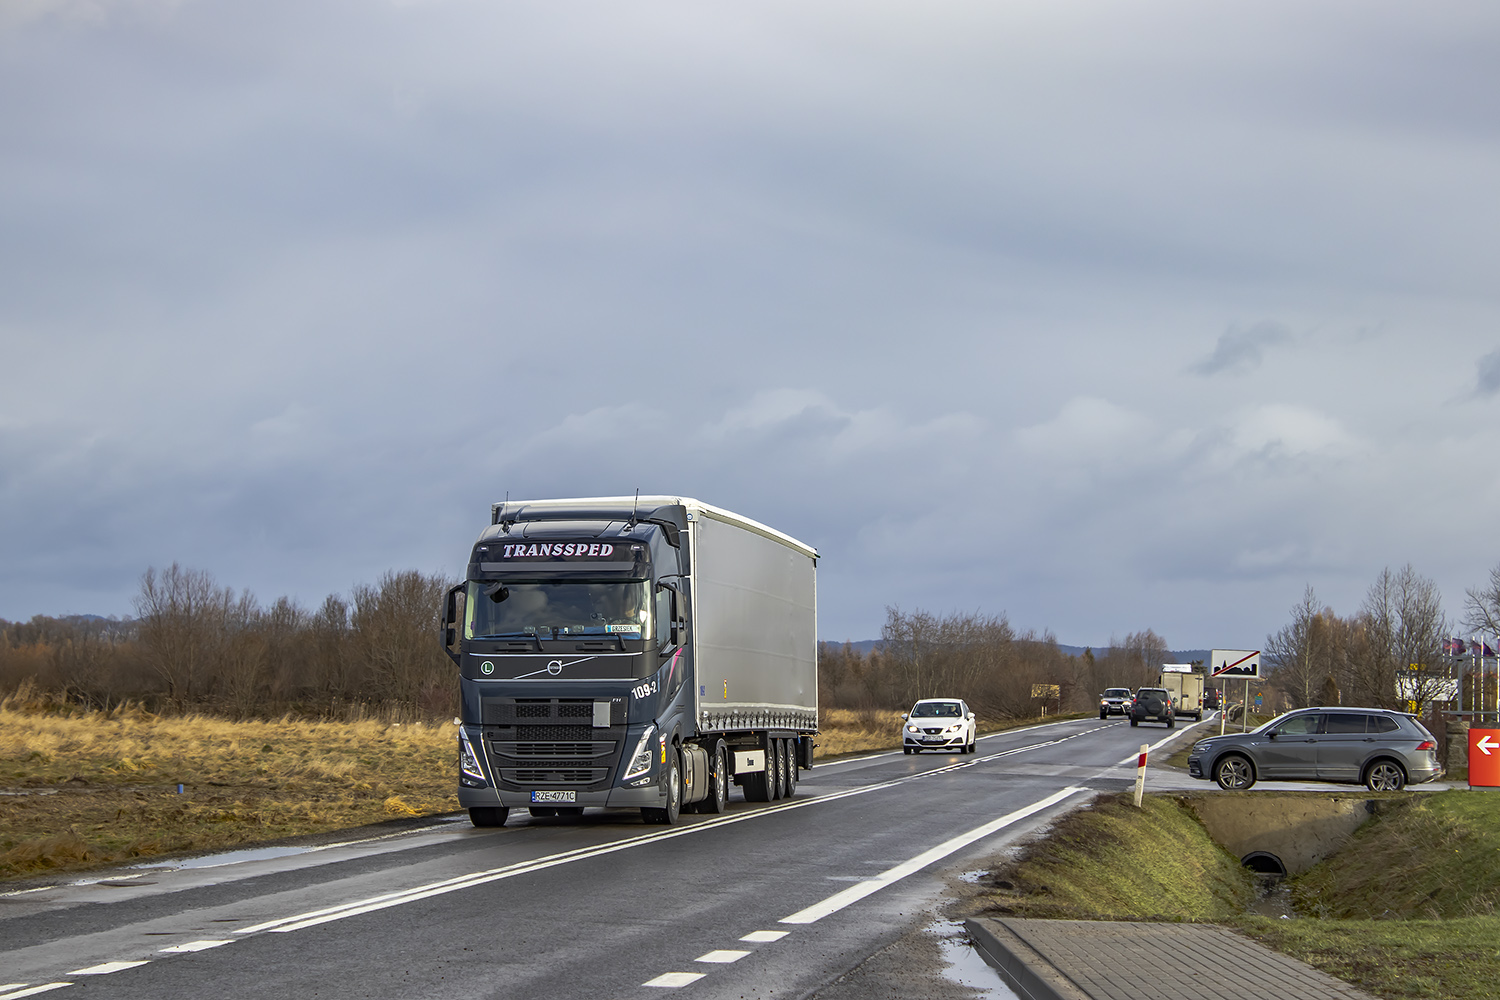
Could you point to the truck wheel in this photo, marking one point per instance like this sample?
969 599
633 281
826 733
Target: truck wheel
791 768
488 815
758 784
718 782
779 781
669 815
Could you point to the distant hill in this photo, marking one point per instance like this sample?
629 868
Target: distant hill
1175 656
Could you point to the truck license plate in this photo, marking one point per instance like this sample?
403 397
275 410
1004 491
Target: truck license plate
554 796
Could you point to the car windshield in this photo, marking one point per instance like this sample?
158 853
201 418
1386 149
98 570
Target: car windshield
1117 692
936 710
557 607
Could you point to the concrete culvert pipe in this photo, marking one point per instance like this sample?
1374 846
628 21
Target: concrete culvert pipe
1264 863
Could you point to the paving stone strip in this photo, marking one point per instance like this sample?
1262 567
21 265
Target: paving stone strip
1113 960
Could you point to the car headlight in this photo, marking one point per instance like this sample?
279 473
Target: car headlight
912 729
640 759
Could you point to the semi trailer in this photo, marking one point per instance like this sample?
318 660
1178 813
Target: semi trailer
646 653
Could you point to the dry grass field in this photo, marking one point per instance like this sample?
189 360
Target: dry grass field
87 789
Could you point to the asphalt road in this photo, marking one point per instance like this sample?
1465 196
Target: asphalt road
824 895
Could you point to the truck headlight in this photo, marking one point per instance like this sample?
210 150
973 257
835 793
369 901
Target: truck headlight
470 773
640 758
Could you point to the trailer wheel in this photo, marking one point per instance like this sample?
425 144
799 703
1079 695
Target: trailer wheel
791 768
488 815
757 784
777 759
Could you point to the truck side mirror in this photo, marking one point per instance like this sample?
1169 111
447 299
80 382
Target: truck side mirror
449 633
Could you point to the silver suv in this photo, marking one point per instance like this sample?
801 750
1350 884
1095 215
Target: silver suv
1381 749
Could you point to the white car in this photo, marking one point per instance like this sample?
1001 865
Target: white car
939 724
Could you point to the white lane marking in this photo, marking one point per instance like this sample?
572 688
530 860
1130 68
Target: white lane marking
356 907
763 937
10 986
855 893
182 949
33 991
1131 760
665 979
723 956
106 968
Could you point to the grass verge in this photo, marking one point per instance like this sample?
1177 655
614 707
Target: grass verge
1405 910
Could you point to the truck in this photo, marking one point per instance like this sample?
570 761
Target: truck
1186 687
631 652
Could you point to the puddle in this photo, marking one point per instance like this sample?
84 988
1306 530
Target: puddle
964 966
237 857
1275 898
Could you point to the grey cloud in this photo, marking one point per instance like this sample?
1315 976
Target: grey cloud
1241 350
1489 374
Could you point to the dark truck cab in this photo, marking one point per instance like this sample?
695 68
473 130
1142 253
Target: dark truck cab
576 637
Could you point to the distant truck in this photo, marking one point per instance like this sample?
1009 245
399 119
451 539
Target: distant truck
1186 688
642 653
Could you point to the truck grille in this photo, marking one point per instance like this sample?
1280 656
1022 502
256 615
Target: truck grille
557 776
554 733
552 742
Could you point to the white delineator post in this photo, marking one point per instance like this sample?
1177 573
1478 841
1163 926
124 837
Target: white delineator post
1140 775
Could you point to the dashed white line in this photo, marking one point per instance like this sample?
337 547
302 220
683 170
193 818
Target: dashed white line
106 968
723 956
33 991
668 979
191 946
763 937
855 893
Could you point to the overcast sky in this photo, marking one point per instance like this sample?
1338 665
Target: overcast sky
1105 316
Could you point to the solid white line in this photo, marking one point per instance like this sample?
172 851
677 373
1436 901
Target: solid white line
763 937
665 979
723 957
105 969
191 946
33 991
855 893
1131 760
314 917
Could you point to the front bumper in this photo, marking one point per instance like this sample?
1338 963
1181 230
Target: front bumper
930 743
649 797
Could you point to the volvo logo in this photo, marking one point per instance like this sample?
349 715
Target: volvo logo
487 668
555 667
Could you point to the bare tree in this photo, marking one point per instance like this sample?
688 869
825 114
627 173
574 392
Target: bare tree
1399 655
1482 609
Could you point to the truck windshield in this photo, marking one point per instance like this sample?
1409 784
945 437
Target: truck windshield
555 608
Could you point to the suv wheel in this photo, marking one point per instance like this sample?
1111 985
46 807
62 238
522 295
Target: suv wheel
1385 776
1234 773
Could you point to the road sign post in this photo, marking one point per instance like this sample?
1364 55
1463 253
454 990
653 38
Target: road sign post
1140 775
1484 758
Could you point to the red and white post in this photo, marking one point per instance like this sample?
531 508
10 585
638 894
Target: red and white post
1140 775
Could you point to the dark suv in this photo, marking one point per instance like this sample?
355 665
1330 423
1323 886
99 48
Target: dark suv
1153 705
1381 749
